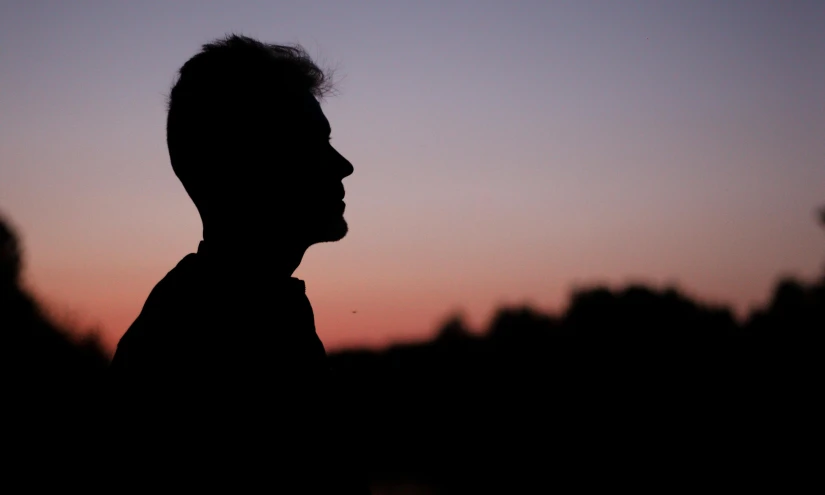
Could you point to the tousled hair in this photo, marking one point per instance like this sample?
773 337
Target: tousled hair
222 93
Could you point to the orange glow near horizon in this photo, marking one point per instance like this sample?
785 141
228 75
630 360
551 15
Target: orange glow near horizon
503 154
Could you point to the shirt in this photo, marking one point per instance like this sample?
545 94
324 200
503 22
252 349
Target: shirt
223 377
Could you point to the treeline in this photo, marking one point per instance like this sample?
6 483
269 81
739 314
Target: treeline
655 391
670 387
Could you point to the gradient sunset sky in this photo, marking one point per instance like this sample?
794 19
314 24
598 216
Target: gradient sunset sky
504 151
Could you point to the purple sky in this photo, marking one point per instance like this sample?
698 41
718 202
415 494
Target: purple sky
504 151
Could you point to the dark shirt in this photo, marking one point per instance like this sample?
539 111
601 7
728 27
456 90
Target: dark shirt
222 378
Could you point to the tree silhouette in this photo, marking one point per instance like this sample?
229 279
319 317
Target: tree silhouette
51 394
32 345
466 411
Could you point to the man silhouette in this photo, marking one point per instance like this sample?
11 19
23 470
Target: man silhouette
222 377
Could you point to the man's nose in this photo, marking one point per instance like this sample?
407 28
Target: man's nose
343 167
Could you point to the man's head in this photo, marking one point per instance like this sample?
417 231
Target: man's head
249 142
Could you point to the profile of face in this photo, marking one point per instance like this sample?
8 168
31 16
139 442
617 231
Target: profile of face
296 184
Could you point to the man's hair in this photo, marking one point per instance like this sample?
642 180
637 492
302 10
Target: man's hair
225 93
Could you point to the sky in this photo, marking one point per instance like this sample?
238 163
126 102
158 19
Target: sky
505 152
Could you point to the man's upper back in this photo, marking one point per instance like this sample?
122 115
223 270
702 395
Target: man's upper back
201 322
218 373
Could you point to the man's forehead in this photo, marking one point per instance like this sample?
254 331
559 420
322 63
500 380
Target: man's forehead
311 116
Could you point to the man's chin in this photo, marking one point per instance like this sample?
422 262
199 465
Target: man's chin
335 232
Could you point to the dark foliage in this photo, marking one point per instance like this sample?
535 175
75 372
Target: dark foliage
51 390
670 387
671 392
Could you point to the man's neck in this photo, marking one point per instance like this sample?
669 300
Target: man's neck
272 259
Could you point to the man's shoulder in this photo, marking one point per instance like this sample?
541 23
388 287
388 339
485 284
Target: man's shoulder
163 318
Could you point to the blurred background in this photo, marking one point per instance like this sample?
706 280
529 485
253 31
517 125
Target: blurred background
524 170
